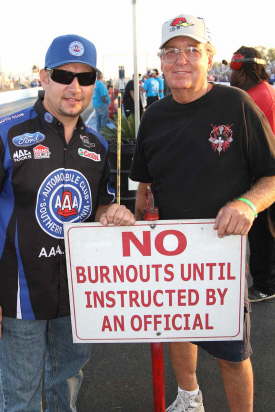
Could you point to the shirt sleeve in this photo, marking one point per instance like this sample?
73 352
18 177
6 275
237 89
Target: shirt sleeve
261 161
2 171
106 189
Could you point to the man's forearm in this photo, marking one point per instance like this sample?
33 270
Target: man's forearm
237 216
262 193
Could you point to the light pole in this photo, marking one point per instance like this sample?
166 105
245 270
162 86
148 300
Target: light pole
156 348
136 80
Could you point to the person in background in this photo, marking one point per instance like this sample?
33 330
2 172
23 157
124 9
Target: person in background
53 170
206 152
161 83
249 74
142 91
113 93
129 99
151 88
101 101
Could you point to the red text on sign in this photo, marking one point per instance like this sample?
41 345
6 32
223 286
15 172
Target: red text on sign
145 246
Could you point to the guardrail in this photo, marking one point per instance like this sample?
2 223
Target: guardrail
14 95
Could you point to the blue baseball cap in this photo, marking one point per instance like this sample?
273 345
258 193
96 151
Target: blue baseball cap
70 48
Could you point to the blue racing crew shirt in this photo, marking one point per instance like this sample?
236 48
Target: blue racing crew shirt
44 182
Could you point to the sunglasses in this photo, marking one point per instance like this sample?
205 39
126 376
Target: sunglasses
66 77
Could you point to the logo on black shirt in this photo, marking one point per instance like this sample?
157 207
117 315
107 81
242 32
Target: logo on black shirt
221 137
28 139
64 196
89 155
21 154
86 141
41 152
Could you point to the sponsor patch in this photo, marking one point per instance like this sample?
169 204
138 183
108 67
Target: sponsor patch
63 196
48 117
86 141
21 154
28 139
76 48
41 152
49 252
89 155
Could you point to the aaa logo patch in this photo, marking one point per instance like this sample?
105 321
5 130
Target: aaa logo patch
64 196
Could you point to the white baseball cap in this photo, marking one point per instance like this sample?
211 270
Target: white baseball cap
185 25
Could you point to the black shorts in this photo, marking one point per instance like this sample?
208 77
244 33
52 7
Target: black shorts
234 350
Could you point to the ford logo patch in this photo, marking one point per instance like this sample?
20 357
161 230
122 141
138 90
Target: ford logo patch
28 139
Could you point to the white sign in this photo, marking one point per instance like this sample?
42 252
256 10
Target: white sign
166 281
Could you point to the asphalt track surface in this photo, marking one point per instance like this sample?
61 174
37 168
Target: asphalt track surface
118 376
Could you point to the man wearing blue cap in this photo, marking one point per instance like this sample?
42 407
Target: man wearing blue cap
53 170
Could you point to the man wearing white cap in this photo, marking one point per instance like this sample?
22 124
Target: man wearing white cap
202 149
53 169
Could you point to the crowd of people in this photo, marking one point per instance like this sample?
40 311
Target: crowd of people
152 87
208 132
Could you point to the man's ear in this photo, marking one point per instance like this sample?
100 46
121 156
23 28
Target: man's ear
44 77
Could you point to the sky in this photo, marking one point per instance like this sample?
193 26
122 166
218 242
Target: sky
28 27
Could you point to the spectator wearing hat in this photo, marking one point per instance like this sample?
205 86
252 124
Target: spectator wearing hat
53 170
206 152
248 73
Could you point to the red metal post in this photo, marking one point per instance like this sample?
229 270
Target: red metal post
158 376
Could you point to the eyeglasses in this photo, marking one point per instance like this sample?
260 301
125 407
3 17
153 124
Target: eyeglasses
66 77
170 55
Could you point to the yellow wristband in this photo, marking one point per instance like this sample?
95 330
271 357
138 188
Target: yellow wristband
250 204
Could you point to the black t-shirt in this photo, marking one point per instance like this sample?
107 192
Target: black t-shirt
128 102
200 155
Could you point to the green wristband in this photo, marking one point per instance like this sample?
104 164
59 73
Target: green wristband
250 204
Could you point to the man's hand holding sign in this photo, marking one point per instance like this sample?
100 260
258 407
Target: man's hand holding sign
115 214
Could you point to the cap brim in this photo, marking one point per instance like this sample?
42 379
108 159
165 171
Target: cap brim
197 38
61 63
